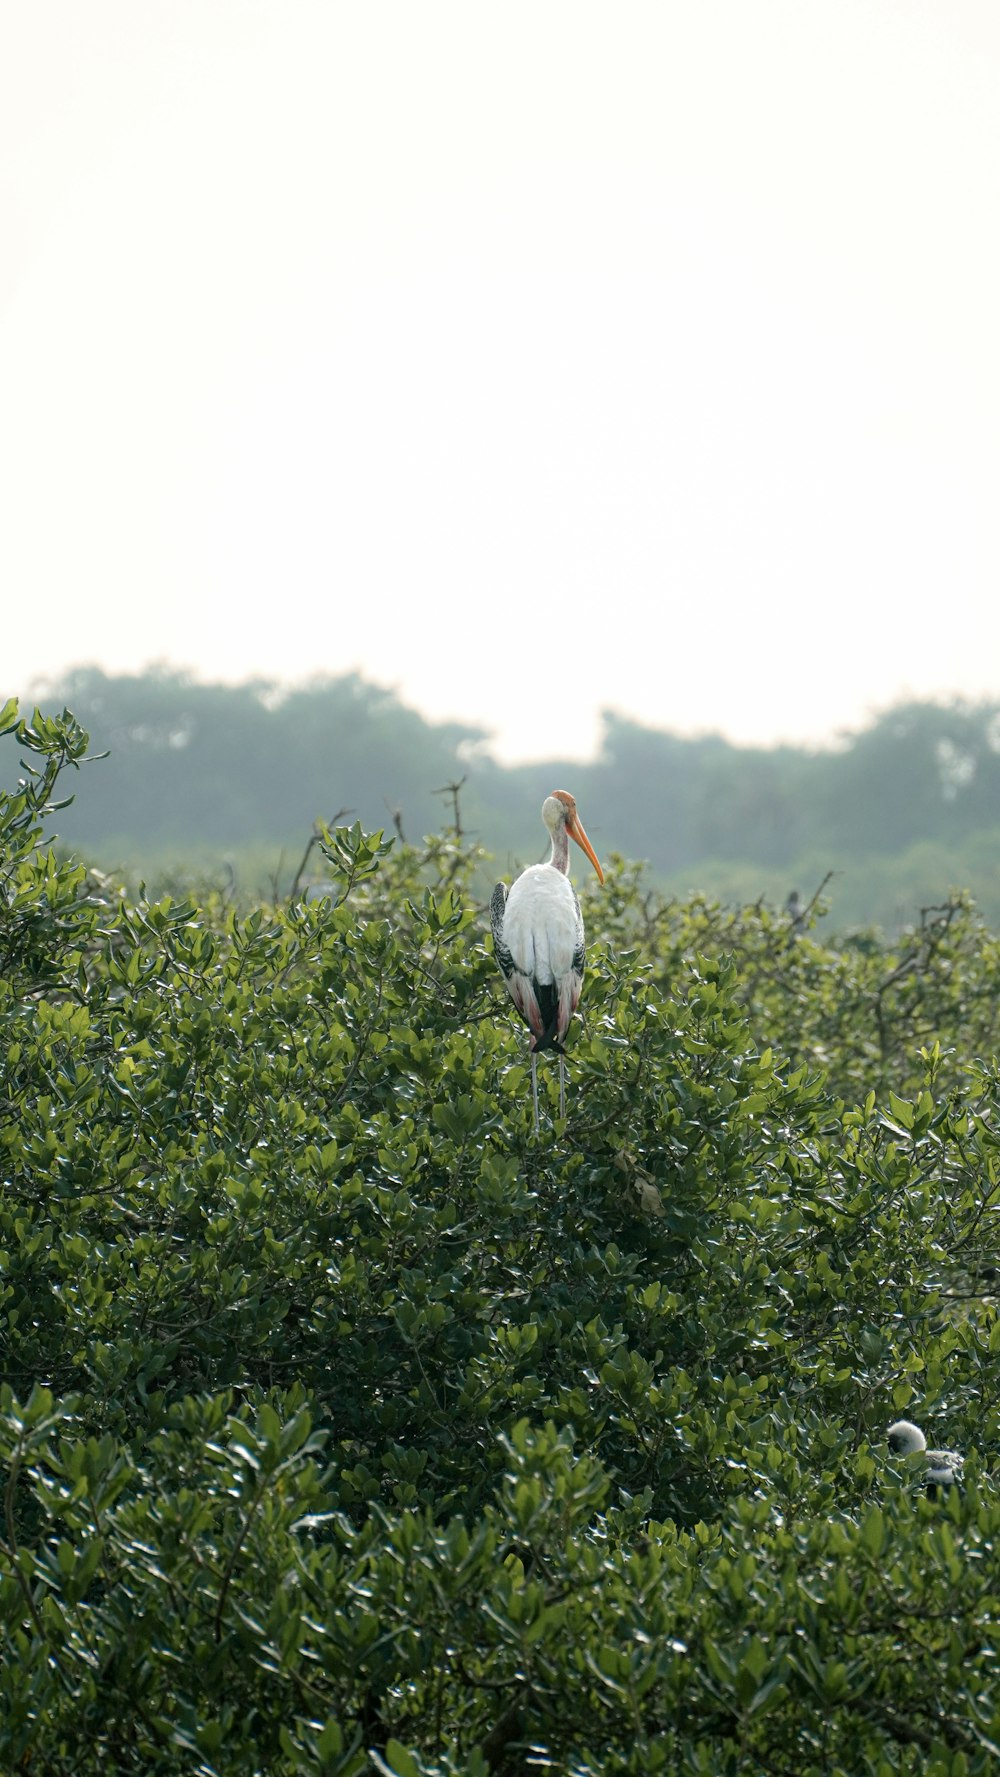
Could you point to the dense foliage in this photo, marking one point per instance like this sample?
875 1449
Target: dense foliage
902 811
346 1426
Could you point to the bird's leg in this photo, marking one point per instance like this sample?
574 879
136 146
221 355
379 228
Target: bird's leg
562 1089
534 1086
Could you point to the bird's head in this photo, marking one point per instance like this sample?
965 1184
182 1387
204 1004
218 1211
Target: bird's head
559 810
905 1439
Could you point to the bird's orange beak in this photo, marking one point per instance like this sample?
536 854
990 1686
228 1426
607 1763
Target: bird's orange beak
575 830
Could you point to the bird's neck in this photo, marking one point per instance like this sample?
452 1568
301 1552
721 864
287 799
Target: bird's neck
560 851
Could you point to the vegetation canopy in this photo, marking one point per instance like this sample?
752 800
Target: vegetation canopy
348 1427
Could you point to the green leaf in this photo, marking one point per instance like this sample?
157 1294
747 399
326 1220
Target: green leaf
397 1762
901 1110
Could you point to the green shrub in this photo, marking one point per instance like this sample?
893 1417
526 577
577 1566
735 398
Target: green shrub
346 1426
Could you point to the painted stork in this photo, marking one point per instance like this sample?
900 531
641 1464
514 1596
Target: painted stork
941 1467
538 939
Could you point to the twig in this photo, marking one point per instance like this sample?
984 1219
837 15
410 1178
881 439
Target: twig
11 1546
231 1563
452 790
397 820
313 840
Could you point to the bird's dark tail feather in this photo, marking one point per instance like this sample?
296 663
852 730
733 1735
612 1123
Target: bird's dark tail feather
548 1038
547 995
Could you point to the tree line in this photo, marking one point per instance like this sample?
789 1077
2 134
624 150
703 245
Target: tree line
903 808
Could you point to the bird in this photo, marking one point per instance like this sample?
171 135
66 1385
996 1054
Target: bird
941 1467
538 939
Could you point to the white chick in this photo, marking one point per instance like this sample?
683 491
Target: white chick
941 1467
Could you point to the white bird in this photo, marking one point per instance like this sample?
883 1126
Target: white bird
538 939
941 1467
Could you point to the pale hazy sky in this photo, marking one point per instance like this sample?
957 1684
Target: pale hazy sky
529 357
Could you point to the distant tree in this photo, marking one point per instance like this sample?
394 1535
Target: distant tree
234 764
215 770
919 771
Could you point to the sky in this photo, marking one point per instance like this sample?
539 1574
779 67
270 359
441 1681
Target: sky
531 359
